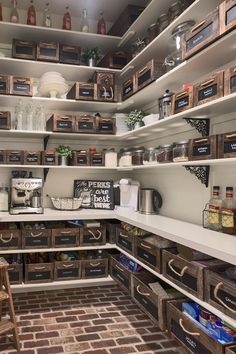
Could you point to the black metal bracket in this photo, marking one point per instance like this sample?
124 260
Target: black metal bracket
45 141
45 173
201 125
201 172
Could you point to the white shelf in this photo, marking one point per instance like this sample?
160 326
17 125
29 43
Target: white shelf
64 284
86 168
107 246
184 292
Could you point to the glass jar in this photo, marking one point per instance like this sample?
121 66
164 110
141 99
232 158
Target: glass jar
174 11
137 157
172 60
153 31
149 157
110 158
4 199
165 153
180 151
179 31
125 158
138 46
163 22
165 104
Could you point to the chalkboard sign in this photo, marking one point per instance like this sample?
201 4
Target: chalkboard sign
86 92
181 102
200 37
230 147
145 77
231 15
95 194
202 150
207 92
64 124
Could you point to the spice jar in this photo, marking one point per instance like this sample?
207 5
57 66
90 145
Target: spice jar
149 157
165 104
153 31
125 158
180 151
110 158
163 22
174 11
165 154
137 157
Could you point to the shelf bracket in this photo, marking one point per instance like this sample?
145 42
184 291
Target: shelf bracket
201 172
45 141
45 174
201 125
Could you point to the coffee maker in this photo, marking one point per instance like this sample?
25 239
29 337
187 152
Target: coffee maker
26 195
127 193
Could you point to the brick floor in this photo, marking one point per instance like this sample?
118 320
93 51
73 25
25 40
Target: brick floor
62 321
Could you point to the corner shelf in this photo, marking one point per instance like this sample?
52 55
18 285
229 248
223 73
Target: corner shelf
107 246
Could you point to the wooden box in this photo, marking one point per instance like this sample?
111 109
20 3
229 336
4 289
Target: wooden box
10 239
210 89
115 60
85 124
79 158
125 20
4 85
3 155
39 273
66 237
104 78
191 254
202 34
106 93
97 159
150 72
23 49
36 238
231 349
67 270
105 125
227 16
203 148
120 274
69 54
5 120
189 333
182 101
61 123
220 292
111 226
93 236
15 272
230 80
125 240
48 51
21 86
129 87
32 157
227 145
95 268
49 157
83 91
14 157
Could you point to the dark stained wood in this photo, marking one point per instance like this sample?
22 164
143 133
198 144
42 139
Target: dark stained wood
210 89
61 123
48 51
203 148
227 16
182 101
23 49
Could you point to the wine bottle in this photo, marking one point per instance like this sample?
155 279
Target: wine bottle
31 17
0 12
47 20
14 17
67 20
101 25
84 22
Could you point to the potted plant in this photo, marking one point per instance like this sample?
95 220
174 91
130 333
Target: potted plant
64 153
91 56
135 119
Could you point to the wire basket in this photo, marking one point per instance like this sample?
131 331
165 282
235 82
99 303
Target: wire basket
221 221
66 203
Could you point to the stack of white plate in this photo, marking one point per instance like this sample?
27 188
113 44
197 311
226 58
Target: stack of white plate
121 126
52 84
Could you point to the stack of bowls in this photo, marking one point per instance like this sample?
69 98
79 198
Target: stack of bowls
52 84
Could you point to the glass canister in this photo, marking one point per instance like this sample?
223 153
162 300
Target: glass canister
180 151
125 158
149 157
138 46
165 154
153 31
174 11
165 104
163 22
179 32
110 158
137 157
4 199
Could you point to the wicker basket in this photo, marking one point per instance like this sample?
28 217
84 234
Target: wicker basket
66 203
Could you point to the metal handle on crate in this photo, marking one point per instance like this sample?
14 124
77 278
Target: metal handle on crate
207 82
46 44
140 292
221 301
122 270
175 271
95 264
197 26
15 152
6 240
36 235
68 265
94 236
185 330
39 268
145 246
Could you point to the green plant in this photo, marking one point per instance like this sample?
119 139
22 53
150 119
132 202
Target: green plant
64 150
93 53
134 117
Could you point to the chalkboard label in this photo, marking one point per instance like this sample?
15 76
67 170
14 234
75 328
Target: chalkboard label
49 159
120 277
21 87
128 89
125 243
64 124
24 50
97 161
95 194
233 84
207 92
226 297
3 86
82 160
95 271
202 150
187 279
70 56
145 77
231 15
146 256
68 273
48 52
119 60
86 92
146 303
105 127
65 240
15 158
200 37
230 146
32 158
85 125
36 275
3 121
90 239
182 102
36 241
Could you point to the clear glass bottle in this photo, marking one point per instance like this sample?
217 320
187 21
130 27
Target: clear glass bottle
31 16
180 151
14 16
228 212
19 115
29 116
66 20
215 204
149 157
84 22
47 19
101 28
4 199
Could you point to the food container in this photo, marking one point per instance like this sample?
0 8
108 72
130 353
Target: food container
172 60
227 16
32 157
165 104
180 151
23 49
5 120
203 148
182 101
227 145
48 51
209 89
39 273
129 87
65 237
149 157
95 268
138 46
230 80
83 91
110 158
150 72
97 159
163 22
10 239
115 60
14 157
66 203
69 54
137 157
67 270
4 85
61 123
36 238
165 153
79 158
21 86
111 226
120 274
85 124
125 240
125 158
105 125
93 236
49 157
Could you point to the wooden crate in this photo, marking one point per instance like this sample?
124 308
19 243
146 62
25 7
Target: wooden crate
105 125
36 238
120 274
65 237
227 16
4 84
39 273
32 158
85 124
83 91
61 123
125 20
104 78
49 157
203 148
15 157
79 158
67 270
202 34
95 268
21 86
210 89
182 101
15 272
149 73
5 120
129 87
69 54
230 350
93 236
230 80
220 292
97 159
108 93
3 155
48 51
189 334
227 145
115 60
10 239
23 49
111 226
125 240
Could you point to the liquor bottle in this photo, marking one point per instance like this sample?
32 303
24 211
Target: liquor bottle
214 209
84 22
0 11
101 25
31 17
47 20
67 20
229 212
14 17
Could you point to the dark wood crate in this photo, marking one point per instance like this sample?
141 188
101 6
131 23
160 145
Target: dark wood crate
189 334
191 254
111 226
203 148
32 158
3 155
95 268
10 239
39 273
4 84
105 125
23 49
61 123
15 272
65 237
83 91
36 238
49 157
210 89
150 72
67 270
115 60
79 158
182 101
202 34
129 87
21 86
120 274
48 51
97 159
125 240
85 124
104 78
5 120
227 16
106 93
93 236
220 291
15 157
230 80
69 54
230 350
227 145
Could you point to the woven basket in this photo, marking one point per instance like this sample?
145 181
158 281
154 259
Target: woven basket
66 203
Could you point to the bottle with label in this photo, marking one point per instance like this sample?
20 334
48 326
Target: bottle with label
101 25
14 17
47 20
31 17
67 20
215 204
84 22
229 212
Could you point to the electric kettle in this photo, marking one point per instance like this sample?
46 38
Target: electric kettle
150 201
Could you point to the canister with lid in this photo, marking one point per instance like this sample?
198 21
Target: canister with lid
174 11
165 104
163 22
149 157
110 158
125 157
153 31
165 154
180 151
137 157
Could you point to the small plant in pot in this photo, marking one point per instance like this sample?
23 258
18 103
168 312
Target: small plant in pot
91 56
135 119
64 153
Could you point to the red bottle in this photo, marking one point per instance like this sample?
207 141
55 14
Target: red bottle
31 17
0 12
66 20
101 25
